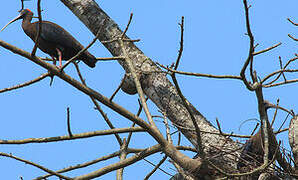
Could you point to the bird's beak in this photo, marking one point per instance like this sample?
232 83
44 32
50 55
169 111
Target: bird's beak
15 19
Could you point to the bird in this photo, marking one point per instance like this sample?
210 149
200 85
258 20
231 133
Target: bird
53 39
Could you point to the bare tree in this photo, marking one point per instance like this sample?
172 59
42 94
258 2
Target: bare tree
218 154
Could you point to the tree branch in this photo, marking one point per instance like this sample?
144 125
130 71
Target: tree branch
28 83
74 136
35 165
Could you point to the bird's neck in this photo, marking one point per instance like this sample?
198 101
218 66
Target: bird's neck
27 27
26 21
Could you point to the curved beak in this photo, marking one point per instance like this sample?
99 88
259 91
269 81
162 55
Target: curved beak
15 19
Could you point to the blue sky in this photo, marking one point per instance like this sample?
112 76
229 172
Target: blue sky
215 43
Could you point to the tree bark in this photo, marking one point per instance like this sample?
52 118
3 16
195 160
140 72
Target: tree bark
293 139
156 85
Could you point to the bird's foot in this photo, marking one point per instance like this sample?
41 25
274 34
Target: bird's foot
52 78
60 68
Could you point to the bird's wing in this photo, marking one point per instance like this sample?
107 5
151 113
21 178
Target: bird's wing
53 33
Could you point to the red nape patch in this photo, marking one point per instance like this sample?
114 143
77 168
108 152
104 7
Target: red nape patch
28 10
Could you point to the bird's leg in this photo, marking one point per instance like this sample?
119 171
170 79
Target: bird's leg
54 60
59 57
52 76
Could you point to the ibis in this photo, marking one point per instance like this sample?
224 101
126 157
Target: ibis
53 40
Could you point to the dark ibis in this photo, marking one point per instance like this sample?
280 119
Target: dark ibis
53 40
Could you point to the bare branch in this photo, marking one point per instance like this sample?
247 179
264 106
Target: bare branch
181 43
126 162
295 24
123 154
184 101
68 123
275 113
118 88
78 166
156 167
280 83
281 67
218 125
35 165
277 72
282 124
104 115
257 125
287 64
28 83
127 26
267 49
295 39
39 29
251 48
200 74
75 136
138 86
110 58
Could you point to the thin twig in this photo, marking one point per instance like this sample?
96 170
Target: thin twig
82 165
280 64
183 99
251 48
38 30
68 123
97 105
267 49
275 113
287 64
218 125
270 105
295 24
35 165
75 136
133 124
124 39
41 77
280 131
257 125
200 74
277 72
282 124
138 85
179 138
181 43
22 7
185 103
139 156
156 167
118 88
136 80
295 39
280 83
110 58
127 26
123 154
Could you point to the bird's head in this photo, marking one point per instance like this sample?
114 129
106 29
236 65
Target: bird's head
23 14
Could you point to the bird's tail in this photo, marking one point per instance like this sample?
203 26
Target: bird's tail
89 59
